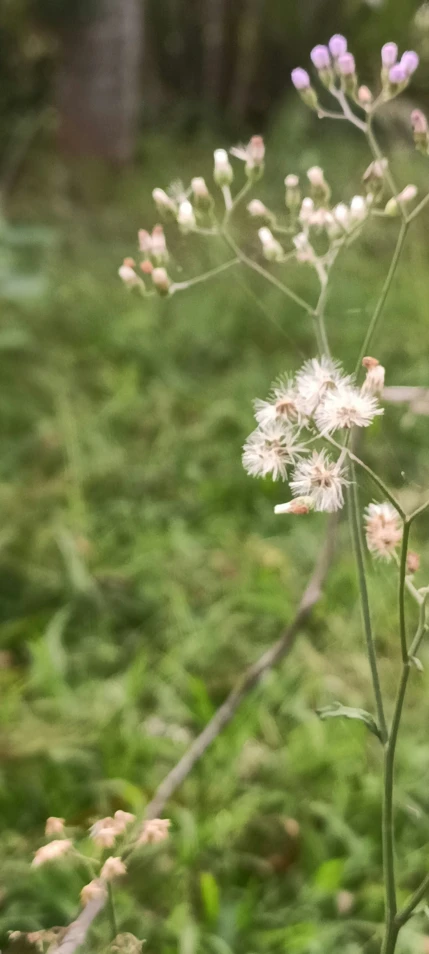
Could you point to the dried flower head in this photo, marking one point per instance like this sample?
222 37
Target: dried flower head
346 407
383 530
317 377
113 868
54 826
322 479
51 851
375 375
283 404
94 891
301 505
154 831
271 449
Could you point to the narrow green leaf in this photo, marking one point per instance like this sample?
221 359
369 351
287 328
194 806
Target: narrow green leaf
337 710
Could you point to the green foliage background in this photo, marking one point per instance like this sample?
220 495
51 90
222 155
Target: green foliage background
141 570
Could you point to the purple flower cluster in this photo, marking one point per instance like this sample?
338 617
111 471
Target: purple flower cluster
324 58
400 71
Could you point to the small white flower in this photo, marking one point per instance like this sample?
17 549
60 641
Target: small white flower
346 407
257 209
316 378
283 404
223 173
322 479
270 450
304 251
383 530
341 214
306 211
316 177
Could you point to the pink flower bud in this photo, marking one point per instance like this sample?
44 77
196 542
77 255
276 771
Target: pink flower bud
419 122
54 826
389 54
257 209
162 284
364 96
256 150
338 45
145 241
300 79
320 57
410 61
346 64
398 74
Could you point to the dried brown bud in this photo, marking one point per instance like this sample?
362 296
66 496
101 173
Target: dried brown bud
413 562
369 363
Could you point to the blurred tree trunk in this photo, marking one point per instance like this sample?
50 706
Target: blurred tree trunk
213 49
99 82
246 66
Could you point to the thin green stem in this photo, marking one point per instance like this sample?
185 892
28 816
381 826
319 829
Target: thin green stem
182 286
402 580
374 477
112 912
366 615
418 511
237 199
377 153
319 313
266 274
404 915
413 215
348 112
384 293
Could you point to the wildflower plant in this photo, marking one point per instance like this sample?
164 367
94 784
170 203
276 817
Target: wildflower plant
308 428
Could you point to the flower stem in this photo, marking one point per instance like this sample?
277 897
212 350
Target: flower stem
266 274
112 912
359 553
402 583
384 293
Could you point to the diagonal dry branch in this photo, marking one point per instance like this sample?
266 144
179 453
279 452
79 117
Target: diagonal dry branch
77 931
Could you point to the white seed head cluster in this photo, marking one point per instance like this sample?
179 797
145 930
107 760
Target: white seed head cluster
383 530
320 400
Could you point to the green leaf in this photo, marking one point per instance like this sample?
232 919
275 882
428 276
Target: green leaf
210 895
337 710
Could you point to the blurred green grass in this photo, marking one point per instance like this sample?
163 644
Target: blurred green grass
141 570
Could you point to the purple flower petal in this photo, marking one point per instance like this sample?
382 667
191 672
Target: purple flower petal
389 54
300 78
320 57
338 45
346 64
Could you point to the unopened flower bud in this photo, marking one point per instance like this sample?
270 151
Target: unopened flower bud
398 78
159 246
146 266
373 178
301 82
257 210
54 826
301 505
410 61
304 251
338 45
164 204
413 562
358 208
347 70
255 158
341 213
128 276
293 192
145 241
154 831
420 131
306 211
113 868
375 374
408 194
162 284
223 173
94 891
271 248
186 216
202 198
319 187
51 851
389 54
364 96
322 61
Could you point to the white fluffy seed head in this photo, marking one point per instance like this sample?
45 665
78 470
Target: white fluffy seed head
270 450
346 407
322 479
383 530
317 377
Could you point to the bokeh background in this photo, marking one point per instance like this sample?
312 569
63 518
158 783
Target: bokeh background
140 569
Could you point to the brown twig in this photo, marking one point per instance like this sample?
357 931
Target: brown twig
76 933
